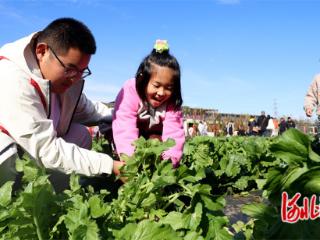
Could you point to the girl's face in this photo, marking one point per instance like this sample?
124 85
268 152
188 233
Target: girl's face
160 86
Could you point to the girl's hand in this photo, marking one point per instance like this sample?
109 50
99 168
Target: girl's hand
155 136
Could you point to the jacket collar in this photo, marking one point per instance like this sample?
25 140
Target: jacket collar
21 53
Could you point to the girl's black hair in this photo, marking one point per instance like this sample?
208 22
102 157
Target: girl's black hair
163 59
65 33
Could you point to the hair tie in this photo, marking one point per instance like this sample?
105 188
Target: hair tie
161 45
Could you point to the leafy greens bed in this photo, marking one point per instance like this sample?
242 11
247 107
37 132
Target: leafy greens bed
158 202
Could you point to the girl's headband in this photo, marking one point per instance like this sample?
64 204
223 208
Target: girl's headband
161 45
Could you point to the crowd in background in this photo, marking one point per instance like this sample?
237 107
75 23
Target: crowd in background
262 125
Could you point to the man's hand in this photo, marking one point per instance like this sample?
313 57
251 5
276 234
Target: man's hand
309 112
116 166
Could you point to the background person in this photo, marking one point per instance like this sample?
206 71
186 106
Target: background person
230 128
311 101
276 127
262 123
270 127
251 124
282 126
290 123
203 128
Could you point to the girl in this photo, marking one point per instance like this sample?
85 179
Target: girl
149 105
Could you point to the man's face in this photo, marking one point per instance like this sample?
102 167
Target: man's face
57 67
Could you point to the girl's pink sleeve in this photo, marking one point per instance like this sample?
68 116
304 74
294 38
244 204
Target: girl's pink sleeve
173 128
124 123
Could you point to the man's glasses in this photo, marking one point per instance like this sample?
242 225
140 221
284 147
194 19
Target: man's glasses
70 72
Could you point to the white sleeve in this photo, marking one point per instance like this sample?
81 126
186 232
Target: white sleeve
24 117
91 113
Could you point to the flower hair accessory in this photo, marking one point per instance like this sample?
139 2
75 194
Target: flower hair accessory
161 45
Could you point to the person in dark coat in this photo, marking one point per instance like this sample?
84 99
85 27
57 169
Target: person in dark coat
282 126
252 126
290 123
262 123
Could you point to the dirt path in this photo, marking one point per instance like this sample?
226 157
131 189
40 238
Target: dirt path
236 201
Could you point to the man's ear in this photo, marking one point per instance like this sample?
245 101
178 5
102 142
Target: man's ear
41 50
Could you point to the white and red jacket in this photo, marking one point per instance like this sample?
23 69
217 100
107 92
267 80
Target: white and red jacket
25 114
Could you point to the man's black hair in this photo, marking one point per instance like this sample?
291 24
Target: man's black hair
65 33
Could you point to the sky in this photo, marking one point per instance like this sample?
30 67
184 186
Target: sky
236 56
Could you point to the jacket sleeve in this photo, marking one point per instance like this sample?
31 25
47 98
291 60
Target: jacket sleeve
24 117
312 96
92 113
173 128
124 124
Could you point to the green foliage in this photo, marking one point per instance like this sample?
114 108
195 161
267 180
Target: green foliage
155 191
157 202
162 202
146 230
298 171
29 215
230 164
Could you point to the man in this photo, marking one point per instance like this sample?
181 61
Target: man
282 126
290 123
252 126
230 128
262 123
43 109
202 128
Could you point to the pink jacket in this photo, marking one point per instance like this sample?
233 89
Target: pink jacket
125 119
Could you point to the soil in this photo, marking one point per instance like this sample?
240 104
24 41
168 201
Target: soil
235 202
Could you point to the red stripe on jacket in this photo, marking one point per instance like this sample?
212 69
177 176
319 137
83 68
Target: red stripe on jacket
2 129
38 89
41 95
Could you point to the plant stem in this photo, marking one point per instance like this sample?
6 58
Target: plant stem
37 227
173 198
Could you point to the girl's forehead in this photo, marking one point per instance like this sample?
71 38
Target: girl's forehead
163 76
157 68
